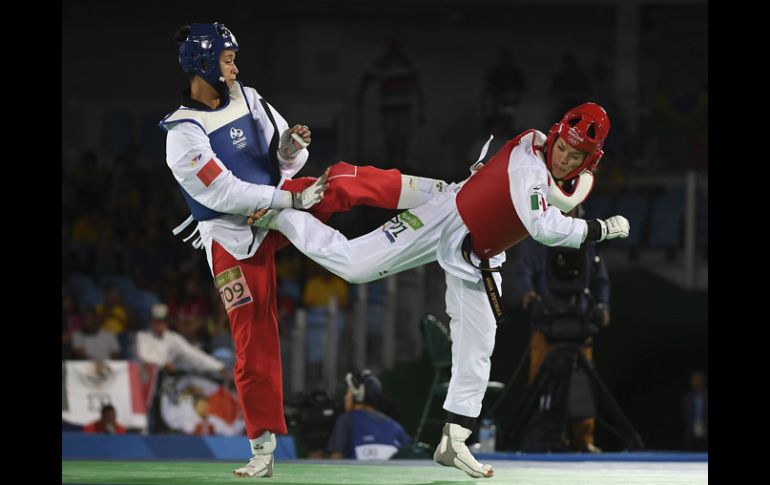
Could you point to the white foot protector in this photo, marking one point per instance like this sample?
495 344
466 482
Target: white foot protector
452 451
261 464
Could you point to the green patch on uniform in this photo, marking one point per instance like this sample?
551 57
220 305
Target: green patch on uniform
226 277
411 219
534 201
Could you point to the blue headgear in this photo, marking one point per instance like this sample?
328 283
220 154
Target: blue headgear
199 53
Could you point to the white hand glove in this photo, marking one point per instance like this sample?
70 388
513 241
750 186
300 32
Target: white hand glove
614 227
312 195
293 140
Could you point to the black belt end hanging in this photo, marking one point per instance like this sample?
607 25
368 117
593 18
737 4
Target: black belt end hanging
487 276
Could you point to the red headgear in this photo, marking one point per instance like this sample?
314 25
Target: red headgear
584 127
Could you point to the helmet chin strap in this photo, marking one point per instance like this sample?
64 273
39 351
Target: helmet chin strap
221 88
564 201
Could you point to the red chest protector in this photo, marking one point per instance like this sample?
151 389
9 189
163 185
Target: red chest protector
485 205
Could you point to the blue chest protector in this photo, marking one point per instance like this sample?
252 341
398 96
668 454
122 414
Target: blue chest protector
238 141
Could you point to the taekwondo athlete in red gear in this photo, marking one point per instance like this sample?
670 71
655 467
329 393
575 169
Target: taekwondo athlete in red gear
231 152
522 190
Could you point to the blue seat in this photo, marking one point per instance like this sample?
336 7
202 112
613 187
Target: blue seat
634 207
90 299
139 303
316 332
81 285
376 293
667 217
85 290
291 289
316 325
376 301
124 284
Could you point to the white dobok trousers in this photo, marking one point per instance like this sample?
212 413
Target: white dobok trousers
430 232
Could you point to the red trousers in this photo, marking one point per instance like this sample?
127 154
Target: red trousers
248 290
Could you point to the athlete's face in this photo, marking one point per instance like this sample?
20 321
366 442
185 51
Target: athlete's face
565 158
227 66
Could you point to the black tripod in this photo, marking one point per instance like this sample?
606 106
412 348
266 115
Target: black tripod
560 391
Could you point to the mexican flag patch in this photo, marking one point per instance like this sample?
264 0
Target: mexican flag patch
536 201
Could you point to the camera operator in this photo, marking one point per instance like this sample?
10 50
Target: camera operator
551 284
363 432
311 414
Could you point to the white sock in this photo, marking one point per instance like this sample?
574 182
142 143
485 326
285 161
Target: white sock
263 444
416 191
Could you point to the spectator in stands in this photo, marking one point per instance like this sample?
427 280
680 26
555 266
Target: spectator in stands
401 98
189 310
618 157
71 320
92 341
107 424
86 228
288 265
71 314
364 433
322 286
680 125
113 313
570 86
218 326
504 88
167 349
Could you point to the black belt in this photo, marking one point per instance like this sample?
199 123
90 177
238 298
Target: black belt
495 302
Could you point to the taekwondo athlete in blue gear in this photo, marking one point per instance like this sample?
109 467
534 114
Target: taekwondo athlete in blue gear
231 152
